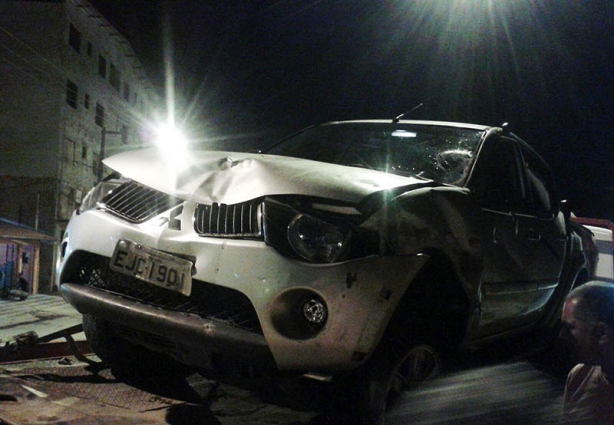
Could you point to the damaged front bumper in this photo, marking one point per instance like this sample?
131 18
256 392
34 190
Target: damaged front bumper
191 337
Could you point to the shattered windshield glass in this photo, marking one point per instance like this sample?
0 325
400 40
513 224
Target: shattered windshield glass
434 152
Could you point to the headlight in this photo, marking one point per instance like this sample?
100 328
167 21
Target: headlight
316 240
98 192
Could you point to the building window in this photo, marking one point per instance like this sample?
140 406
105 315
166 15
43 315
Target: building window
84 152
99 114
72 94
115 77
86 101
74 38
127 92
125 133
89 49
102 66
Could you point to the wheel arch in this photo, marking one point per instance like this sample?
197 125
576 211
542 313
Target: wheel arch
437 297
431 314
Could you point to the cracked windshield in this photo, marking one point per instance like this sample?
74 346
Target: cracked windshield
430 152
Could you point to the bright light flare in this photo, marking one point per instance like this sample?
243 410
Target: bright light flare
173 147
171 141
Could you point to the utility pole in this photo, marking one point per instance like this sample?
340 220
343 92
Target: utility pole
38 200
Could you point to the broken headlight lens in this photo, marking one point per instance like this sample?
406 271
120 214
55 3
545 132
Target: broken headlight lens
97 193
316 240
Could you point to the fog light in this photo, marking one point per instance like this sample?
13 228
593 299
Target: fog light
299 313
314 311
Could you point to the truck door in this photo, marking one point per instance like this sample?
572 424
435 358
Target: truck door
541 226
509 295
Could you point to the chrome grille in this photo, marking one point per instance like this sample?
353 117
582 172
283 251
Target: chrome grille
221 220
138 203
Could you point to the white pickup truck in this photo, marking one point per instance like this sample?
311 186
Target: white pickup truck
366 253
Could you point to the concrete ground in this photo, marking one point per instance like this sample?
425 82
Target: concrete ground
43 314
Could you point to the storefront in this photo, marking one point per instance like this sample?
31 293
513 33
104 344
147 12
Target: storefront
20 248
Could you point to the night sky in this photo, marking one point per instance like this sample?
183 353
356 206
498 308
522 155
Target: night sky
249 72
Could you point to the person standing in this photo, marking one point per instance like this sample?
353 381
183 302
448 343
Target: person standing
588 328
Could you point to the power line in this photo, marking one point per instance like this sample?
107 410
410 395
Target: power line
132 115
30 48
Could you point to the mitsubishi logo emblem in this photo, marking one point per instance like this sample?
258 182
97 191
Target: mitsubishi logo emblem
174 223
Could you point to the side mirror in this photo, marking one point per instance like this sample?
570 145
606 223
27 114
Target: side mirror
566 210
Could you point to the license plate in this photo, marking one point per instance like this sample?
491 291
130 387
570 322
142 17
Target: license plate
152 266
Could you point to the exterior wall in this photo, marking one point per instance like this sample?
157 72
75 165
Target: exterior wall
29 201
31 87
108 78
52 134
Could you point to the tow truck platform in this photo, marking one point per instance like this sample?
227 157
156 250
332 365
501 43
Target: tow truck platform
69 391
48 375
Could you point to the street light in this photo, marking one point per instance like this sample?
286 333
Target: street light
171 142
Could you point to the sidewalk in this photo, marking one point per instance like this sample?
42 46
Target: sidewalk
43 314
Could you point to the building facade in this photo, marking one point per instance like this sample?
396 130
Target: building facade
71 93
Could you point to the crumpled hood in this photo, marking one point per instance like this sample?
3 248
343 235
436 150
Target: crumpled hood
232 177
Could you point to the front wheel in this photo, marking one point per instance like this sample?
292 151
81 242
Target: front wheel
395 370
420 363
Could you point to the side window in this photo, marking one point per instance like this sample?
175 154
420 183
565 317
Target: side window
99 119
115 76
503 184
74 38
72 93
540 184
102 66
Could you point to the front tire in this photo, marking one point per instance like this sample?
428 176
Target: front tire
395 369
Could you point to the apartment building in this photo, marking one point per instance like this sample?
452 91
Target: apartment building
72 92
